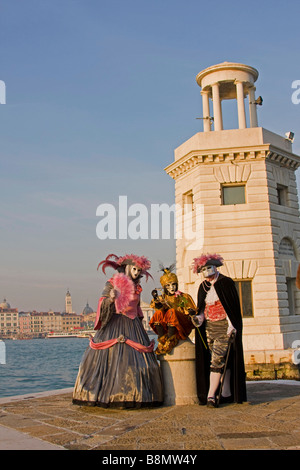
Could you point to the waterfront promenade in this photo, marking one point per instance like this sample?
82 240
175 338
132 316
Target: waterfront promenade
49 421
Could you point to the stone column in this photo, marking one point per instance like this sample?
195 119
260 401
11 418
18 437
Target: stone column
252 107
240 104
218 121
179 374
206 114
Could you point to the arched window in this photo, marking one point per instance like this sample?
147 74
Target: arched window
287 255
286 249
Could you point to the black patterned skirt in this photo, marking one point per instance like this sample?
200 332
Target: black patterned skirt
119 376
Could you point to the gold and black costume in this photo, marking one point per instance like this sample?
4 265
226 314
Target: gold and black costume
171 320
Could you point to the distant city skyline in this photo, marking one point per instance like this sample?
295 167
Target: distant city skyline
62 310
97 97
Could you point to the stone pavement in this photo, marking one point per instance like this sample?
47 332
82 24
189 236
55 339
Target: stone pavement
269 421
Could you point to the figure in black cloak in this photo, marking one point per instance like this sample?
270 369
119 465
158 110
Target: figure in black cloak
218 316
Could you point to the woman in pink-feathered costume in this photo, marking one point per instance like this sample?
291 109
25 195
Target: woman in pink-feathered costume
119 368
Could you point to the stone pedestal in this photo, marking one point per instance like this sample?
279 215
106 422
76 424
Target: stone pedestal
178 371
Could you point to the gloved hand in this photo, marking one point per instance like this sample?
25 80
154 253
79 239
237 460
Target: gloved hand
197 320
113 295
158 305
157 302
191 311
231 330
154 294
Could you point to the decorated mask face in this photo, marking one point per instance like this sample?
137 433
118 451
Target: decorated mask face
171 288
209 271
133 271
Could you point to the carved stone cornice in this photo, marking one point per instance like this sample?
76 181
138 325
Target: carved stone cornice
287 160
217 156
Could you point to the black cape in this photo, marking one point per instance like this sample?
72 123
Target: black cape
229 298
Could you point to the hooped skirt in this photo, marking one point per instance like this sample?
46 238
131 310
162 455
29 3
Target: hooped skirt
119 376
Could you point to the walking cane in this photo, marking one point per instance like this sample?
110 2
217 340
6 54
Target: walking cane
230 342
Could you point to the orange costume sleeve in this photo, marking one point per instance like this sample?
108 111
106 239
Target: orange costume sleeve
175 313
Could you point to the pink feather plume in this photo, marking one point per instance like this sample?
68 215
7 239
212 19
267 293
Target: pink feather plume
125 290
201 261
114 261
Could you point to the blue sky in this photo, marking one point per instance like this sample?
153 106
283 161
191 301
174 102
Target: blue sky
98 96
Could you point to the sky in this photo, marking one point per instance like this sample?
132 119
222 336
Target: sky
99 94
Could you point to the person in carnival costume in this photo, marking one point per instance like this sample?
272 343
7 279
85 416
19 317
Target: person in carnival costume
119 367
171 320
218 317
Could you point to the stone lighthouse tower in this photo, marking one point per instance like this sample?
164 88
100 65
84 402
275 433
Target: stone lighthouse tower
244 181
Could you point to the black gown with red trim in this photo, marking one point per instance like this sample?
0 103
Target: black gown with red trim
119 375
228 296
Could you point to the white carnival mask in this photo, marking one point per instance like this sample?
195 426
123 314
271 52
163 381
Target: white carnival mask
208 271
133 271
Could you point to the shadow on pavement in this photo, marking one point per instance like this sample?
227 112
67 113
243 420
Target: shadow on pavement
261 392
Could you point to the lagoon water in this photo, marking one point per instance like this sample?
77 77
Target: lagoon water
40 365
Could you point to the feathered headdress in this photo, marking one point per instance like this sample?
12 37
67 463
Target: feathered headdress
115 262
207 260
168 275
